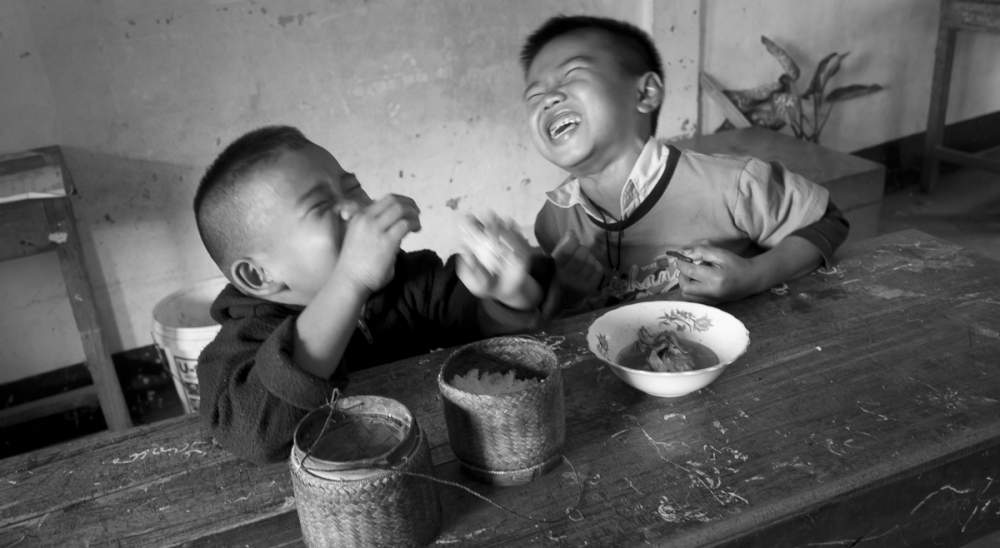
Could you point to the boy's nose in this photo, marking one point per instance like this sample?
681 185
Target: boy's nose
553 98
346 210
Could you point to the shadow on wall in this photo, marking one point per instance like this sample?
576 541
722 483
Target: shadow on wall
139 240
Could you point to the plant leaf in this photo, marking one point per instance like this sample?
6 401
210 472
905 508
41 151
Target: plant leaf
832 69
741 100
767 115
758 93
852 91
815 83
785 60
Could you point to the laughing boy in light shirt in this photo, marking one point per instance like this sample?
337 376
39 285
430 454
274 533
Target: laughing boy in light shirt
632 204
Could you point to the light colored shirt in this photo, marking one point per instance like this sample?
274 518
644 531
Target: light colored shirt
741 204
641 180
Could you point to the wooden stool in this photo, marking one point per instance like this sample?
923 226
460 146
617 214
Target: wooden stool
35 191
856 185
956 15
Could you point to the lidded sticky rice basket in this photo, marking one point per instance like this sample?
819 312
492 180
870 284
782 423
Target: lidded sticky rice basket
351 463
503 404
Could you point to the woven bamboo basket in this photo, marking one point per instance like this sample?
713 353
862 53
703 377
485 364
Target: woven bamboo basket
350 474
509 438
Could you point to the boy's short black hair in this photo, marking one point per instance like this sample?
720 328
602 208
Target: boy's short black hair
223 214
636 50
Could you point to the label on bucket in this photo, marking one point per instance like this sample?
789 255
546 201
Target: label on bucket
184 372
187 370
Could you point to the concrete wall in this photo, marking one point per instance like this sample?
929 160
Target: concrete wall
419 98
34 318
891 43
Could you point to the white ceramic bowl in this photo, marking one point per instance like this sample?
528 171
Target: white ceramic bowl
618 329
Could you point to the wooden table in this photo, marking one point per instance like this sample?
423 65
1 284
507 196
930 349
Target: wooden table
866 412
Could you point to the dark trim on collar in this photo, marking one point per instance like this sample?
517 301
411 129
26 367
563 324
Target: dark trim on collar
648 203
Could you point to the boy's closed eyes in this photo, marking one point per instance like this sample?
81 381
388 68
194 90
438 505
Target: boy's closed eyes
571 69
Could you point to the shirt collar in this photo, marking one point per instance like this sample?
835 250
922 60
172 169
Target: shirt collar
642 179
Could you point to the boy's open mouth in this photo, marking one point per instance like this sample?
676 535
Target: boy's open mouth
562 125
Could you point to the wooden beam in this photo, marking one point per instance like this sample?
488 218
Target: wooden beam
967 159
30 174
714 92
85 396
974 15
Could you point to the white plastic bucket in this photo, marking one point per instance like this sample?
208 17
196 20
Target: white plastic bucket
182 327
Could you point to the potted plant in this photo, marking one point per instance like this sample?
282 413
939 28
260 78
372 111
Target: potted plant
806 112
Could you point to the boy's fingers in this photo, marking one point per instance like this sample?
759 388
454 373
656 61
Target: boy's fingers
378 206
391 202
491 223
706 253
387 212
472 267
516 240
399 229
693 290
699 273
687 270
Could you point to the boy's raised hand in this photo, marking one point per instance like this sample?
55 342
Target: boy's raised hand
716 275
493 262
576 266
374 233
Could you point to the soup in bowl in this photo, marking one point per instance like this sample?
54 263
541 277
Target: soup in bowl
667 348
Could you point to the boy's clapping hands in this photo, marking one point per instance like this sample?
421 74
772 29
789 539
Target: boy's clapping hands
494 260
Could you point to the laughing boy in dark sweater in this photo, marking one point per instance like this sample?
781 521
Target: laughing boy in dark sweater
319 286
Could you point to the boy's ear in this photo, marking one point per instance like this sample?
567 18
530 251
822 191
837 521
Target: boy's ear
650 92
251 278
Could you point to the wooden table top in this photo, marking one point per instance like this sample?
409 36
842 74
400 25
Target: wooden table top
865 412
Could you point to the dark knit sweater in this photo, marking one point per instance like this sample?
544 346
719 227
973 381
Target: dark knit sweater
253 396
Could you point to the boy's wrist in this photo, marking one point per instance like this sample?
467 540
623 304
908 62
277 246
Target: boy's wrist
791 258
761 274
345 281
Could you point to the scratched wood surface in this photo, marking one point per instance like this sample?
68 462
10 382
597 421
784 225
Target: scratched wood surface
866 412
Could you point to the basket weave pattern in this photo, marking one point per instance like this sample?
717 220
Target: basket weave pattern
376 507
506 438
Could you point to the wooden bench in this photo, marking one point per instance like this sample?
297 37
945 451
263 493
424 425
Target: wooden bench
856 185
37 216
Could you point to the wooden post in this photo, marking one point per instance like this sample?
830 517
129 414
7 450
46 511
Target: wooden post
944 53
62 230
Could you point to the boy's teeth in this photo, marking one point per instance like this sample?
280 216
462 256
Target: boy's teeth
563 124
